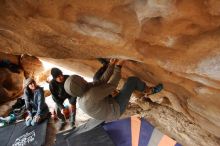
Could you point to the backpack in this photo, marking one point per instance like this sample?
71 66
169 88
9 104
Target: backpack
19 109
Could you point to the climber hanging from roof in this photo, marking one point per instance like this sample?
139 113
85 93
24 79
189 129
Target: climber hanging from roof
95 97
59 95
35 103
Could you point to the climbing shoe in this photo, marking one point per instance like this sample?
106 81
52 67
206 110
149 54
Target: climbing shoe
157 88
61 126
153 90
72 124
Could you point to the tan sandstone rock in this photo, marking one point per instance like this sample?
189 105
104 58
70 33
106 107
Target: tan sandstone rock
174 42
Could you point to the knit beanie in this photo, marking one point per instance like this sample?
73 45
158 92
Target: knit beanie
28 81
75 85
55 72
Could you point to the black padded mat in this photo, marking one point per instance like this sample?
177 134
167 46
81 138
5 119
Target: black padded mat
95 137
5 134
28 136
61 137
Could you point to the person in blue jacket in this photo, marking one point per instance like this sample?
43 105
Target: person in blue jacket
35 103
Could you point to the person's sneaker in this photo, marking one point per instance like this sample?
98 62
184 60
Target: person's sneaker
61 126
103 61
157 88
72 125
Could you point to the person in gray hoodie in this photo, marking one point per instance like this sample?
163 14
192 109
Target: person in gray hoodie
95 97
35 103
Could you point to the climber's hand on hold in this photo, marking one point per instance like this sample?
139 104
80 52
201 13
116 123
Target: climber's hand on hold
113 61
121 62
